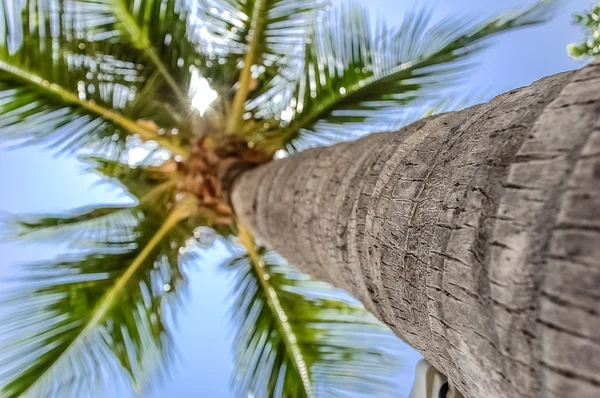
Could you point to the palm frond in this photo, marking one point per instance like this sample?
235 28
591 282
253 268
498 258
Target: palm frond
228 26
146 182
80 323
261 35
158 28
354 79
58 88
151 187
79 227
300 338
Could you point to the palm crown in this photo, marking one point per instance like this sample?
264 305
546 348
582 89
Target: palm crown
204 89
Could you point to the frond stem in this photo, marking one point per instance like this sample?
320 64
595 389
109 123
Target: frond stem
241 95
157 191
283 326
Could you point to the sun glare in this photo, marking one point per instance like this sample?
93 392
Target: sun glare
145 153
202 94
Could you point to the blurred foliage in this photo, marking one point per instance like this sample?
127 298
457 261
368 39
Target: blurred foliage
591 45
300 338
104 309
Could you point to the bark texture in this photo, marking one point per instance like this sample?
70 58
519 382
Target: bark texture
474 235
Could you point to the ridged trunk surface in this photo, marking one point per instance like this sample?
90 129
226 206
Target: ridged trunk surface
474 235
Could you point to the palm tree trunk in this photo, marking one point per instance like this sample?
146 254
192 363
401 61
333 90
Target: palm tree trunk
474 235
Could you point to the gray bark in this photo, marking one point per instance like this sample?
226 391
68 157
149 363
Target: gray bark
474 235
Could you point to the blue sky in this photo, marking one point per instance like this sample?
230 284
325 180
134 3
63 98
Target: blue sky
32 180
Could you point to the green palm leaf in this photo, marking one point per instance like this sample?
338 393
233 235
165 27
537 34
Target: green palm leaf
353 76
276 26
299 338
156 27
261 34
78 228
103 312
73 325
58 87
145 182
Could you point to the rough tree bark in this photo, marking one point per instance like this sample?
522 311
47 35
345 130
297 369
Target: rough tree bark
474 235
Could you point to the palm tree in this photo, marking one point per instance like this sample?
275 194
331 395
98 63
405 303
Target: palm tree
205 90
475 235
